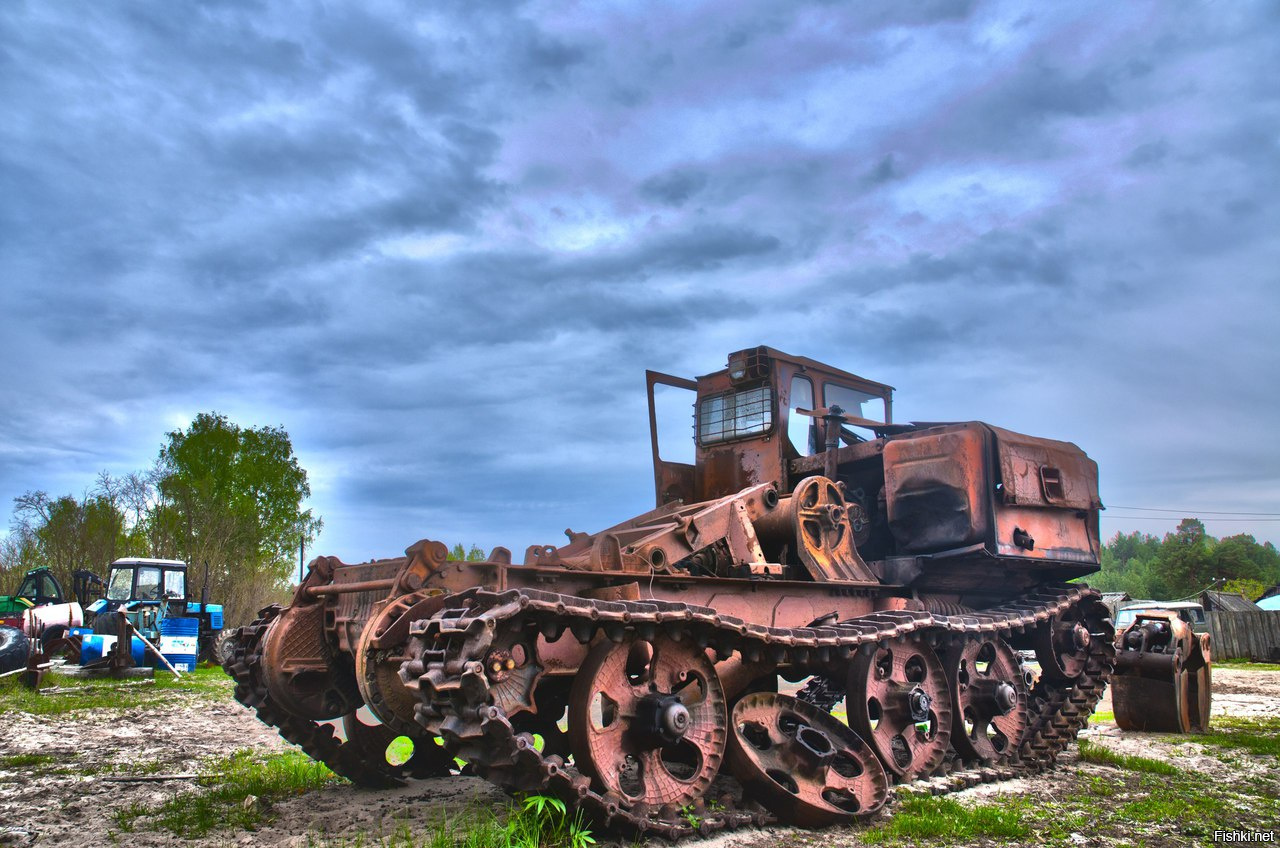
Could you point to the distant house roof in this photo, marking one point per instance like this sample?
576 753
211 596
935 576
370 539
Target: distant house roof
1273 592
1271 603
1227 602
1113 600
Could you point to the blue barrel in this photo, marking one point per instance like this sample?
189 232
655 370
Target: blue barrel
92 647
95 646
180 642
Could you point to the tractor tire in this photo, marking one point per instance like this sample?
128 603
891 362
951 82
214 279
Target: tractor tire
57 631
105 624
224 644
15 648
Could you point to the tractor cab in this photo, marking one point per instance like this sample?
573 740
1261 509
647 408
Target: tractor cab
146 580
147 589
757 416
40 587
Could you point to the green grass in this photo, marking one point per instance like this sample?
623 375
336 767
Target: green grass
1133 801
945 818
536 822
105 693
219 801
15 761
1259 736
1097 754
1135 808
1240 664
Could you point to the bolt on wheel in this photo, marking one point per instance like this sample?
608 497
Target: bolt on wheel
899 702
803 765
647 720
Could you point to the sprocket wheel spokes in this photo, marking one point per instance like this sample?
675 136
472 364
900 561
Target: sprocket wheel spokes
821 515
899 702
802 764
1062 645
647 721
989 698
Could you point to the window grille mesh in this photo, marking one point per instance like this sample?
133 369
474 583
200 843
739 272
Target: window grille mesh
731 416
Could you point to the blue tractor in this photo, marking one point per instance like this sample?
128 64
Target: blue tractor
153 595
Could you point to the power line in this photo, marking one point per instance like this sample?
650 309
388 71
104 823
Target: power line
1170 518
1186 511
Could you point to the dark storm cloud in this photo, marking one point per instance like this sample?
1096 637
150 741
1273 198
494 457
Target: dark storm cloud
674 187
441 244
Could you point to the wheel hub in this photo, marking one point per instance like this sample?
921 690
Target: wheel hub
660 720
918 704
814 746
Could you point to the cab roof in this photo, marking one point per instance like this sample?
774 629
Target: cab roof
172 563
774 353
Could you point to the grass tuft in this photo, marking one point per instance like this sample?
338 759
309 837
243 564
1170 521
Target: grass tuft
15 761
538 821
945 818
1091 752
221 802
1260 736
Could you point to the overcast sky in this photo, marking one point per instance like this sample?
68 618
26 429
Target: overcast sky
440 248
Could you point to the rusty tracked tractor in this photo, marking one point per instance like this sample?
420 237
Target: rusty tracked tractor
634 672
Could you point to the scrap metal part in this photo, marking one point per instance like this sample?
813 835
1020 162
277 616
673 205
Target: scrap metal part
1163 676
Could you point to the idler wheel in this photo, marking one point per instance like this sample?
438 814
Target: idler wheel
899 702
647 720
989 699
805 767
1062 645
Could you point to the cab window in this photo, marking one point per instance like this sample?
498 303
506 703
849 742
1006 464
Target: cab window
800 428
175 584
48 589
853 402
120 584
734 415
148 584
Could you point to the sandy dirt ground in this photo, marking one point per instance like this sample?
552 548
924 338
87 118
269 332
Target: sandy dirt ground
42 808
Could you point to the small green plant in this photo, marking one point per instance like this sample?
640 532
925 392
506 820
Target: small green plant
544 820
691 816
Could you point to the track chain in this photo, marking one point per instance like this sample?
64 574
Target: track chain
456 702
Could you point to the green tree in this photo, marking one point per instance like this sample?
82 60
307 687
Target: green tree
472 554
65 533
231 500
